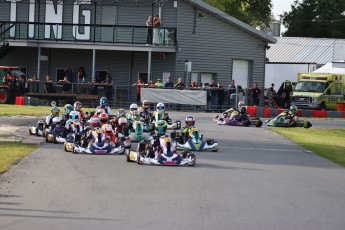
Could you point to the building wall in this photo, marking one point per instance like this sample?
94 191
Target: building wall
211 44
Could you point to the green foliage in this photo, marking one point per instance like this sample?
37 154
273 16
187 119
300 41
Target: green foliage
253 12
315 18
328 143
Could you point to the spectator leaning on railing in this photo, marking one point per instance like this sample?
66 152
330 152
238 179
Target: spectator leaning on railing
169 84
179 84
139 84
158 84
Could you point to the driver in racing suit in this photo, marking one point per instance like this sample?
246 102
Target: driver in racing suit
103 105
291 115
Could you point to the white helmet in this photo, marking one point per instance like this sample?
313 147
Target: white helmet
240 104
74 115
160 107
133 108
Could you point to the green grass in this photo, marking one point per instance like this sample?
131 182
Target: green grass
13 152
27 110
327 143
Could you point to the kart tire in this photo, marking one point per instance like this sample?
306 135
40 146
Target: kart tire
64 147
293 124
142 147
138 159
47 139
307 124
215 150
73 150
178 124
127 152
258 123
54 140
210 141
5 96
246 123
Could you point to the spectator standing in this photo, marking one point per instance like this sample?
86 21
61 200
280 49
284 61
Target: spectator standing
232 94
179 84
151 84
139 84
81 76
66 88
156 36
271 93
149 31
214 96
69 74
48 85
158 84
287 90
193 85
255 94
208 95
108 88
221 97
169 84
34 84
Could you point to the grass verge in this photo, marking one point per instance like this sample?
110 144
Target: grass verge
13 152
327 143
27 110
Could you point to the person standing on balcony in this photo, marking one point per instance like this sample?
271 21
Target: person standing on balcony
156 23
69 74
158 84
139 84
149 31
108 87
169 84
48 85
179 84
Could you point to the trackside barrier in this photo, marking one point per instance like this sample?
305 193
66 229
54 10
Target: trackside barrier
272 112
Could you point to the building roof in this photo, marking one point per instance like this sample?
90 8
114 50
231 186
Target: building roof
233 21
303 50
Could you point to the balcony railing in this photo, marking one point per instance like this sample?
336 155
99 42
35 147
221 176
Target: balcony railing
89 33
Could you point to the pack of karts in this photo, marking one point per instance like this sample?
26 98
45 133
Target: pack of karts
160 151
285 119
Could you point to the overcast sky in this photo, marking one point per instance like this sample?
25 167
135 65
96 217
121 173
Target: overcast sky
279 6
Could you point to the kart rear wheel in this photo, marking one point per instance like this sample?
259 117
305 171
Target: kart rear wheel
65 147
210 141
5 96
127 152
258 123
246 123
54 140
73 150
47 139
307 124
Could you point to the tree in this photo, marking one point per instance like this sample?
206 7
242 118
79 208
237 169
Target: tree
253 12
315 18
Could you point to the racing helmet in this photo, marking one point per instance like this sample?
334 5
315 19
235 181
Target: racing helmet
74 115
68 108
146 104
103 101
161 127
121 113
95 122
55 111
190 121
107 128
103 117
77 106
293 109
240 104
133 109
160 107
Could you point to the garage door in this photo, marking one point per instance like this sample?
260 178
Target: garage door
240 72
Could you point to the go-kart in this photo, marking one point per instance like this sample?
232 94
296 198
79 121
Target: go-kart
239 119
37 130
192 140
284 120
149 154
163 116
138 134
54 133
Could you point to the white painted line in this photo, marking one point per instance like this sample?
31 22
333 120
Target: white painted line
282 150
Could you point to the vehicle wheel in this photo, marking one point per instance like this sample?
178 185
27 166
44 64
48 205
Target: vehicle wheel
138 159
142 147
5 96
47 139
210 141
293 124
258 123
215 150
73 150
178 124
307 124
54 140
246 123
127 151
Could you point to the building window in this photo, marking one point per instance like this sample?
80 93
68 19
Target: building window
60 74
144 76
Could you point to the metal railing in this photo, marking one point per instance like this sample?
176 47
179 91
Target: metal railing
88 33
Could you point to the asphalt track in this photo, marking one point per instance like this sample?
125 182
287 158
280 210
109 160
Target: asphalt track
257 180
